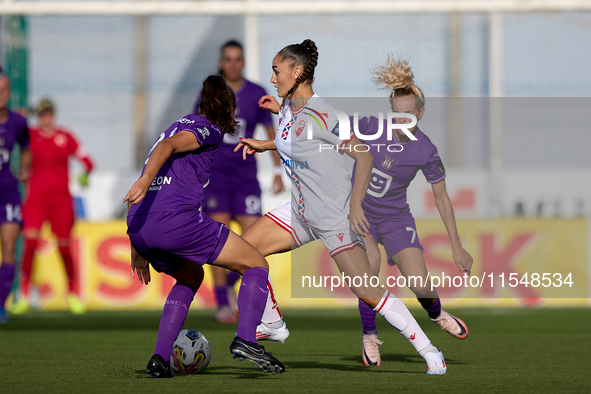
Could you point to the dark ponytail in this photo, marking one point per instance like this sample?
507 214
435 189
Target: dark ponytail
217 103
304 54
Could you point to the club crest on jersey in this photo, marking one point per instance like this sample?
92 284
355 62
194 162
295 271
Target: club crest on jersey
335 129
204 132
300 127
60 140
387 162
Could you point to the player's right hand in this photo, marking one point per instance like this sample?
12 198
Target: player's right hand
249 146
141 266
138 191
270 103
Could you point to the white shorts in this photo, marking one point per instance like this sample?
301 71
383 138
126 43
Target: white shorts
336 241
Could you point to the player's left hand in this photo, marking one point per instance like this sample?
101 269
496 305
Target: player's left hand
462 259
23 175
141 266
277 184
138 191
359 223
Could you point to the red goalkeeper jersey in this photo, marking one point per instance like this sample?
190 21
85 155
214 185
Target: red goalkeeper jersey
49 169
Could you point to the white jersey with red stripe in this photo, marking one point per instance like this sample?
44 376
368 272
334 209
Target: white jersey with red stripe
320 178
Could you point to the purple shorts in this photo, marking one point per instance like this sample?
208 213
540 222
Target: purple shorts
10 206
395 232
167 239
234 193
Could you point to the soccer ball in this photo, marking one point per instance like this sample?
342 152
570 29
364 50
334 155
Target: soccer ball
191 352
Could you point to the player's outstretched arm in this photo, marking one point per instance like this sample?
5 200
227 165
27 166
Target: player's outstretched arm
270 103
183 141
364 162
251 146
462 258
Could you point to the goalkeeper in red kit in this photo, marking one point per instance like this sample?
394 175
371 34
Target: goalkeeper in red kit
48 198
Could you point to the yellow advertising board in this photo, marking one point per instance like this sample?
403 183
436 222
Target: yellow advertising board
531 262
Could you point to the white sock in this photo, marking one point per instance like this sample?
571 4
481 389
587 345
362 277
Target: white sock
271 316
399 317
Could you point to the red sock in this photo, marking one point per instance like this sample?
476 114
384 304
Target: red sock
69 265
27 264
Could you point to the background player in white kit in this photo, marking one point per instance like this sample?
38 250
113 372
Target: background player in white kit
314 213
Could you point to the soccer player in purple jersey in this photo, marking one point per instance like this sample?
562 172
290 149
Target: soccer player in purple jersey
13 129
168 230
333 211
388 213
233 192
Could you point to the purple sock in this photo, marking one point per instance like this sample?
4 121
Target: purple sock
233 278
6 280
368 318
221 296
173 316
252 299
433 309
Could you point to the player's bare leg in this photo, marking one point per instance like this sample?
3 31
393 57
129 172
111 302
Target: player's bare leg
270 238
410 261
8 235
353 263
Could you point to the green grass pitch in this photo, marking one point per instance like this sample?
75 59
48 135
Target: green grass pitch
508 350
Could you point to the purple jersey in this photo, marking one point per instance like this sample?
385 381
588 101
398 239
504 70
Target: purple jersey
248 114
13 129
179 183
395 165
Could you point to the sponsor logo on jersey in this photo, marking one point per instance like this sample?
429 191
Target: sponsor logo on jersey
204 132
295 164
387 162
185 121
300 127
158 182
441 167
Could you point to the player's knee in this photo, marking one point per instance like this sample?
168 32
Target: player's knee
8 250
251 263
190 275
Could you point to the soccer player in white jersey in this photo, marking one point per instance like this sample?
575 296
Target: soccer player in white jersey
323 205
